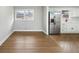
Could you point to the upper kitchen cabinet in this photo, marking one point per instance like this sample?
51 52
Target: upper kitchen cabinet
74 12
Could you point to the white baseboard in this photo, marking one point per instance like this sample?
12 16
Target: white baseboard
5 38
44 32
29 30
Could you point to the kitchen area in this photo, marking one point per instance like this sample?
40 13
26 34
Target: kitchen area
63 19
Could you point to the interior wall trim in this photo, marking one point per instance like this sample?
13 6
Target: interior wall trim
5 38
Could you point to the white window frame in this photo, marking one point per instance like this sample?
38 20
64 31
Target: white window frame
32 10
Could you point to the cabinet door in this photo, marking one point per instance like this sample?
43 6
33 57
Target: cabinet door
63 28
74 12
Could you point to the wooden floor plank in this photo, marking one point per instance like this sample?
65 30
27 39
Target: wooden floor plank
37 42
28 42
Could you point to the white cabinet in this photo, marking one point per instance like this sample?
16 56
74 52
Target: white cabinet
74 12
70 27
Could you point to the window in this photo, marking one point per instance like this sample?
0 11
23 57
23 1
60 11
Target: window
27 14
20 15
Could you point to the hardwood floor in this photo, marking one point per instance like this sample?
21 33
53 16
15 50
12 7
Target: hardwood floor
28 42
69 43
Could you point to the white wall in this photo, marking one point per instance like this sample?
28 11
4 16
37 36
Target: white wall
35 25
45 20
73 22
6 21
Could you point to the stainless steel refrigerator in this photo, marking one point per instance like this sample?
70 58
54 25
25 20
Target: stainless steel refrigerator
54 22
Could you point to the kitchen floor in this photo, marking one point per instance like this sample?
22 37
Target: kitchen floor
38 42
68 42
